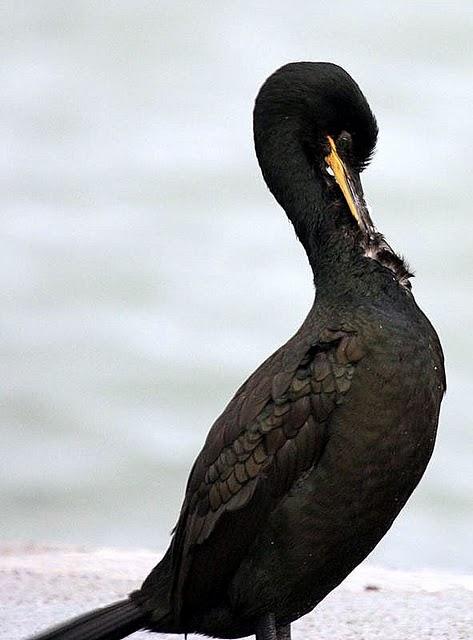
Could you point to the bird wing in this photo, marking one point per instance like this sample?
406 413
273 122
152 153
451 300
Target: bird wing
272 431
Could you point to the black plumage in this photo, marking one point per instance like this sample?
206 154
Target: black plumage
320 448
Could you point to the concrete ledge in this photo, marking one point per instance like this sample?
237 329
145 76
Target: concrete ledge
42 585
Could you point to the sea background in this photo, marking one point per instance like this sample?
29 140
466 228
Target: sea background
145 270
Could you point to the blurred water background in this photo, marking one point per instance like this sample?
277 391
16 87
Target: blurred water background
146 270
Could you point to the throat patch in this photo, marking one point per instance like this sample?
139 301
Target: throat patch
376 248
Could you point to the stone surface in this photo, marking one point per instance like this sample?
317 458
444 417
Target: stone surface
42 585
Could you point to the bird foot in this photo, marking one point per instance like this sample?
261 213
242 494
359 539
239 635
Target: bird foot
284 633
267 630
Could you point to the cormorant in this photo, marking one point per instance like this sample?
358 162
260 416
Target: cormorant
318 451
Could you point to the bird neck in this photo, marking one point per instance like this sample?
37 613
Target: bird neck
342 260
336 257
319 214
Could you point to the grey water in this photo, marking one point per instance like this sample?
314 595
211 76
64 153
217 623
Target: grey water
146 270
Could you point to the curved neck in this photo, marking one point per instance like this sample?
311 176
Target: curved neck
319 214
290 177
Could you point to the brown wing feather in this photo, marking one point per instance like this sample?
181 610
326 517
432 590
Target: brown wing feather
271 432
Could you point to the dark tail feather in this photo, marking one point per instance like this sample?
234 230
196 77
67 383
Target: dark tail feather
108 623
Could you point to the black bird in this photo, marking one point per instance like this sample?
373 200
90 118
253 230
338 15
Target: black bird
318 451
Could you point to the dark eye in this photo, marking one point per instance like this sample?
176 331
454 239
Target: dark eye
345 144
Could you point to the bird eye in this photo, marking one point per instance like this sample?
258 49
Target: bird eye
345 143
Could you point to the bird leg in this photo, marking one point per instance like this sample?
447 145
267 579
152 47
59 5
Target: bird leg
266 628
284 633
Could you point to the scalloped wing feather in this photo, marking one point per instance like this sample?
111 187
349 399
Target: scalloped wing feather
272 432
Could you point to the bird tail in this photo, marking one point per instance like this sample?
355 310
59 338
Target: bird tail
107 623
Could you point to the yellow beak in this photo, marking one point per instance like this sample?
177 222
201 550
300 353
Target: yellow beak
350 186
